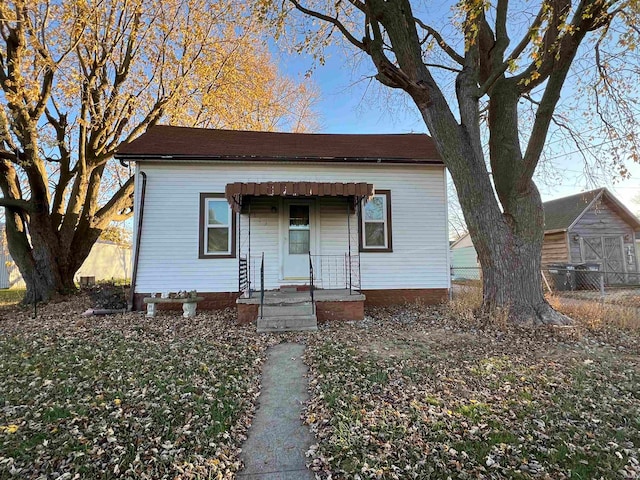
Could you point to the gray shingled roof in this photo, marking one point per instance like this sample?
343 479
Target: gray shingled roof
559 214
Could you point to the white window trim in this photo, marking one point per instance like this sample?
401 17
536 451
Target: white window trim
385 195
205 199
207 226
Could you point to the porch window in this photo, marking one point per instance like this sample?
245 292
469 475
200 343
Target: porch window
375 223
217 227
299 232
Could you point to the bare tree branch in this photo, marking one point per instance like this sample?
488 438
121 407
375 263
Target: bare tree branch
499 70
455 56
333 21
120 201
16 203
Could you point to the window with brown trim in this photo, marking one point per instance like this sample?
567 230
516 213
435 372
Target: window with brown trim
375 223
217 227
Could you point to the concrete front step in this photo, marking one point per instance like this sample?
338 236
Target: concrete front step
287 323
288 309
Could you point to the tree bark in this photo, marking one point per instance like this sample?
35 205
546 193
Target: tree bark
512 262
508 241
45 260
47 267
39 262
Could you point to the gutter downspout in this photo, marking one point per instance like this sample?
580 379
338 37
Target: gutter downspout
136 254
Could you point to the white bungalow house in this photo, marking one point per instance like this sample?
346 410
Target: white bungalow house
333 221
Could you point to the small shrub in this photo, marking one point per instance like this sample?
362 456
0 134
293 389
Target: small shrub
108 295
465 302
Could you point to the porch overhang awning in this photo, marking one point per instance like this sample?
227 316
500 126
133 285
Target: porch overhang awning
236 192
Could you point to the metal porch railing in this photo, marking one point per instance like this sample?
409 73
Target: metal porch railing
249 274
336 271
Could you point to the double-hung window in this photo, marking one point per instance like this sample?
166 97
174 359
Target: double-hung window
375 227
217 227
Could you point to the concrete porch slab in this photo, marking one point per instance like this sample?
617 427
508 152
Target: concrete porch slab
275 297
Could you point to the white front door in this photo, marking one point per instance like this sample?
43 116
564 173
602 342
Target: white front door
298 239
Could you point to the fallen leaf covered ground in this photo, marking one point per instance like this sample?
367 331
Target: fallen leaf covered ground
414 393
411 392
123 396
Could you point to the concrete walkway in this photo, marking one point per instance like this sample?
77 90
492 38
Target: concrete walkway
277 442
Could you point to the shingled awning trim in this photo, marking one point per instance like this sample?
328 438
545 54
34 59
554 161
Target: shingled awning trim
234 192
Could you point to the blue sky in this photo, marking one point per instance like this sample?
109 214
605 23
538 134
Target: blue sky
350 103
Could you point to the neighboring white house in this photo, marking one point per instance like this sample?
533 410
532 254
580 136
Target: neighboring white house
107 260
215 201
464 259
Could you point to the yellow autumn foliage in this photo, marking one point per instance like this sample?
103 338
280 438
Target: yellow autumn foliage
80 77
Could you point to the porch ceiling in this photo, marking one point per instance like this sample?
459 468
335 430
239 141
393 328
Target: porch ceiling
235 192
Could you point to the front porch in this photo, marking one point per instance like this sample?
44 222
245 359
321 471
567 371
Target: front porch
307 267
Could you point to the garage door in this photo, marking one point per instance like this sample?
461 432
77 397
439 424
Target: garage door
607 251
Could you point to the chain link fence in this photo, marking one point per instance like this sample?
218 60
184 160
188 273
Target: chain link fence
567 278
574 289
466 274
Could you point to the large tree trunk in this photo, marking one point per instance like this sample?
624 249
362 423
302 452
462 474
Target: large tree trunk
48 255
508 234
511 264
40 260
509 246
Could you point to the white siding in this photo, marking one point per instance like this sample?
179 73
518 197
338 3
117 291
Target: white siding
265 233
334 228
169 240
465 257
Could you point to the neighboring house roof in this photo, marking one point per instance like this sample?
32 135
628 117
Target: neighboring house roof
163 142
562 213
559 214
461 240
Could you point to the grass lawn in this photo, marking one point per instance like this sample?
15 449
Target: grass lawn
11 296
411 393
123 396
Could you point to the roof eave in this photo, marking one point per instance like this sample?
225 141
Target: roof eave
127 157
587 208
632 218
462 237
